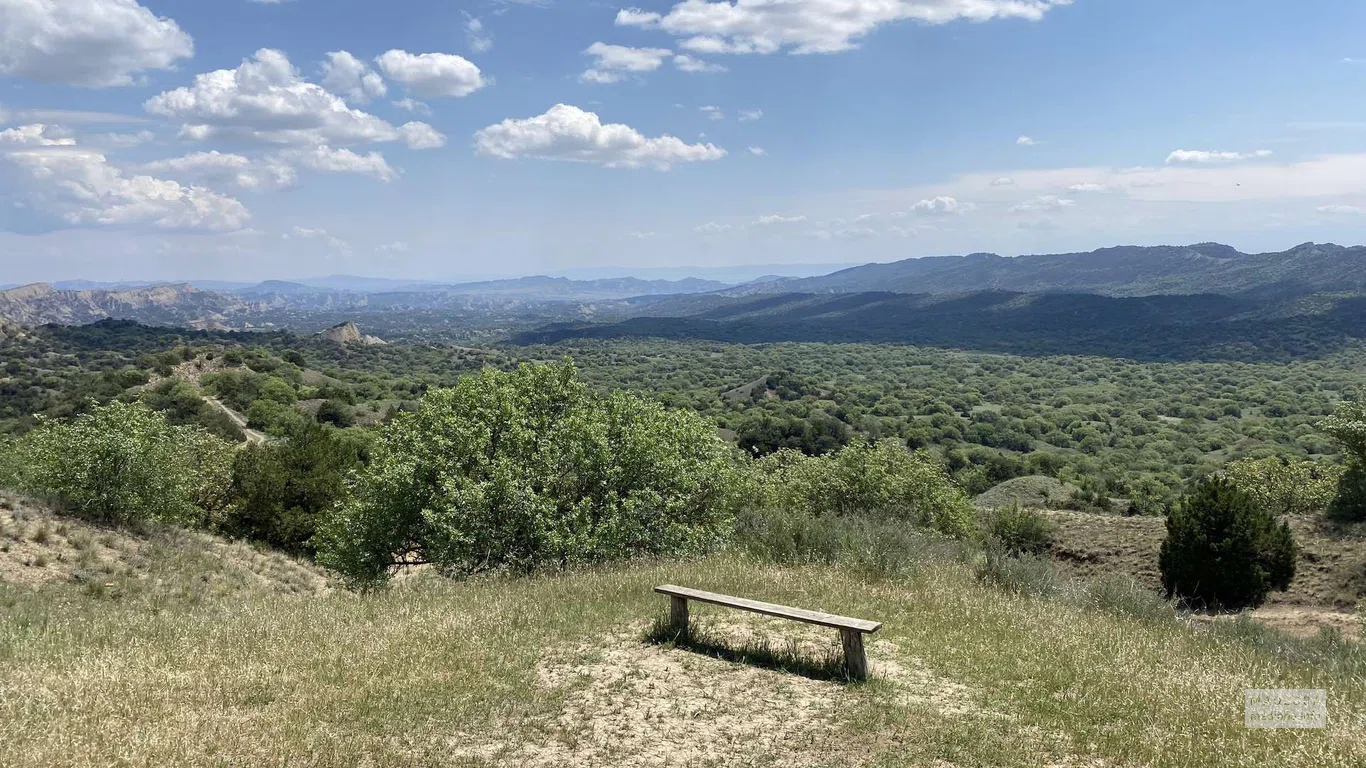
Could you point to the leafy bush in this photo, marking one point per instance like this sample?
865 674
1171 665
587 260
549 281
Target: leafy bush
335 413
1347 425
124 462
881 478
1349 503
1019 531
762 433
527 469
1222 550
881 547
273 417
1285 487
1122 596
1018 574
282 489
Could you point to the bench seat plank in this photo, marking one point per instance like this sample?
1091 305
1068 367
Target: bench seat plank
771 609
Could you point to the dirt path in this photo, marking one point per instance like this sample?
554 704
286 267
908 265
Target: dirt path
253 436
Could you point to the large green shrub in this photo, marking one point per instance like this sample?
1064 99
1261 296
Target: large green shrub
1285 487
1347 425
124 462
282 489
1019 530
1222 550
528 469
872 478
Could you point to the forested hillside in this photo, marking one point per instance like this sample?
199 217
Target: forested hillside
1149 328
1116 428
1118 271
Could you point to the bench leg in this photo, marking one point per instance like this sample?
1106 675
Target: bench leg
855 660
678 614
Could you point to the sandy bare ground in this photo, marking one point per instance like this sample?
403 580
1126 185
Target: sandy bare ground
39 547
627 703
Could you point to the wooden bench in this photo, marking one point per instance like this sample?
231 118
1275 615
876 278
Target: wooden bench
851 630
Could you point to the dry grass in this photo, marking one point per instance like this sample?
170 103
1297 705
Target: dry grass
1330 576
41 548
556 670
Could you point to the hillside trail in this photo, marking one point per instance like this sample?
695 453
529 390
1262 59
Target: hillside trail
253 436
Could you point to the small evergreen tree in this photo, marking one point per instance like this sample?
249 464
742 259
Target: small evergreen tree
282 490
1224 551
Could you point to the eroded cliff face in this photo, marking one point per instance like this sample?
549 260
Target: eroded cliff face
40 303
350 333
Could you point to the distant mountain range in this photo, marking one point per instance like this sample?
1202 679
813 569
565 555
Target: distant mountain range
1119 271
186 304
1092 300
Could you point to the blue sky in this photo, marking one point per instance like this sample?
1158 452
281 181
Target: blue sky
176 139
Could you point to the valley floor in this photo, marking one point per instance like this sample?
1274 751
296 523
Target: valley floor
557 671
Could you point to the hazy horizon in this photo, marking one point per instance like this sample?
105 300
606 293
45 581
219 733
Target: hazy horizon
736 273
739 273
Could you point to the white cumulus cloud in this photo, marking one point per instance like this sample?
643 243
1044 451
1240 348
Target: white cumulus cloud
50 187
330 160
421 136
92 43
478 38
1341 210
771 219
811 26
568 133
686 63
36 135
348 76
1213 156
612 63
942 205
266 100
413 105
1025 141
758 151
432 75
1043 203
226 169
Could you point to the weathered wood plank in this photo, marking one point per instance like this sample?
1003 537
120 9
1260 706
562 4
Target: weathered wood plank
678 614
855 660
856 626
